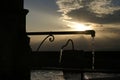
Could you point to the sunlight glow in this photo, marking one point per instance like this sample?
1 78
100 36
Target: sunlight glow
79 26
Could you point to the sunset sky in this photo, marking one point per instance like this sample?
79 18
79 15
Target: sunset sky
103 16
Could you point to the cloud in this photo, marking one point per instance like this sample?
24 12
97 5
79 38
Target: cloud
94 11
103 7
84 15
68 5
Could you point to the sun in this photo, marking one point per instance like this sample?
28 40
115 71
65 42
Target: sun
79 26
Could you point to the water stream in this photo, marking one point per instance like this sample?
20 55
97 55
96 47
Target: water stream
60 58
93 52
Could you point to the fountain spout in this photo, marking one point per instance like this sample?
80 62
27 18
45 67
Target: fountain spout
61 51
92 32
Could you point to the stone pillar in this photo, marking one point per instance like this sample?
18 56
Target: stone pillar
14 43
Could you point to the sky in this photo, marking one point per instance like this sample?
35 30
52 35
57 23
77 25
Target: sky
103 16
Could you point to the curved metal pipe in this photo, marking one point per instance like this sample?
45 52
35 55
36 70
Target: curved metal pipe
69 40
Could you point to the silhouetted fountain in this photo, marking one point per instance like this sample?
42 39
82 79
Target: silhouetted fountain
14 43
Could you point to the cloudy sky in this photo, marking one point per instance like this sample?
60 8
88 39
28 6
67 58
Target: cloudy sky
103 16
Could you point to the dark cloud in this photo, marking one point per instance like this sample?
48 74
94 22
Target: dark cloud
84 15
94 11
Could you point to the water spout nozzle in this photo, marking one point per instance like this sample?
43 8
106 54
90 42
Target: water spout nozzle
92 32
